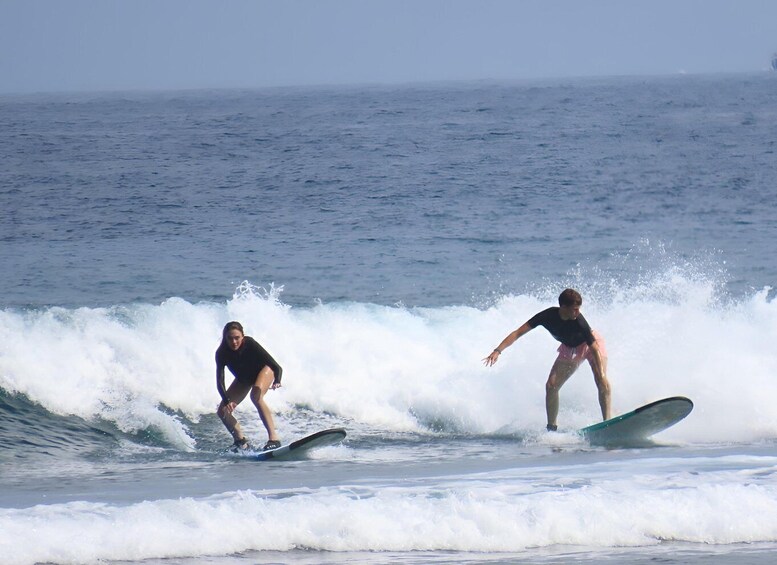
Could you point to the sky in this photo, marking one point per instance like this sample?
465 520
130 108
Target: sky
99 45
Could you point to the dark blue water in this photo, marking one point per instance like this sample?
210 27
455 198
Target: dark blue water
433 195
410 229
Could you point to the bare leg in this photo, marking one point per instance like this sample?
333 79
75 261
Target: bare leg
236 392
263 383
603 386
559 374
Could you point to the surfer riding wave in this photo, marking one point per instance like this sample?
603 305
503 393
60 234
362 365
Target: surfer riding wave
578 342
255 372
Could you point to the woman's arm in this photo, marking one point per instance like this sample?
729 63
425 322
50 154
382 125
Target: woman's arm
270 361
220 383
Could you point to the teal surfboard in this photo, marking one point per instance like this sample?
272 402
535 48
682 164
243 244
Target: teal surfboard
638 425
298 449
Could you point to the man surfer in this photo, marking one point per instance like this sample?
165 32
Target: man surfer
568 326
255 371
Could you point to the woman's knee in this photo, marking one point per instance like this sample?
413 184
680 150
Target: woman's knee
257 395
264 381
264 378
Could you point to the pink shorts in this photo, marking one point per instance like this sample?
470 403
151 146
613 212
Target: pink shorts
582 351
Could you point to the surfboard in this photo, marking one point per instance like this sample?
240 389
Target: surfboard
638 425
300 447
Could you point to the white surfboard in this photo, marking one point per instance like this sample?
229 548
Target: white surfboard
639 424
300 447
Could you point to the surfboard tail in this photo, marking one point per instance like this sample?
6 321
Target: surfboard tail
640 424
301 446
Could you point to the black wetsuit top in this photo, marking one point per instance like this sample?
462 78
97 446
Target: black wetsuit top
568 332
245 363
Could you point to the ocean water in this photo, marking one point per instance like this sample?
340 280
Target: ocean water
379 242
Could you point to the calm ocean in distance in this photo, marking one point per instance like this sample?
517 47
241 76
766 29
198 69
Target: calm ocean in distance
380 241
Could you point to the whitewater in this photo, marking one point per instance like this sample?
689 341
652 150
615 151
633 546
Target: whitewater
397 368
443 455
379 242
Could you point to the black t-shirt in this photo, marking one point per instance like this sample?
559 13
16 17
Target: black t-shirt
569 332
247 361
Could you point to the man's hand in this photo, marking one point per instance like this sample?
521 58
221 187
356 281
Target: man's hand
491 359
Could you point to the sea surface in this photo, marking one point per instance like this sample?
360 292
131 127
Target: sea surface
380 241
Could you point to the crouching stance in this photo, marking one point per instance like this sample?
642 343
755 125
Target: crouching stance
255 373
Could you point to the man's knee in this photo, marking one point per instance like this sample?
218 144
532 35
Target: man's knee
559 375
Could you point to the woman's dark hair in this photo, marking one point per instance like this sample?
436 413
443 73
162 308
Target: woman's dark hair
229 327
570 297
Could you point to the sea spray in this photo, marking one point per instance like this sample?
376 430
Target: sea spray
405 368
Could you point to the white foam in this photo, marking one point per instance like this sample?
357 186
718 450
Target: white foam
405 369
509 511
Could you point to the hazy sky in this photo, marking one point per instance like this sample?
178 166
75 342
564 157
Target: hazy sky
65 45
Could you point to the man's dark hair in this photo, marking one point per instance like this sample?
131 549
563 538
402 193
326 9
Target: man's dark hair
570 297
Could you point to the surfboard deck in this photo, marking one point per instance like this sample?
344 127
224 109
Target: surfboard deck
300 447
638 425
